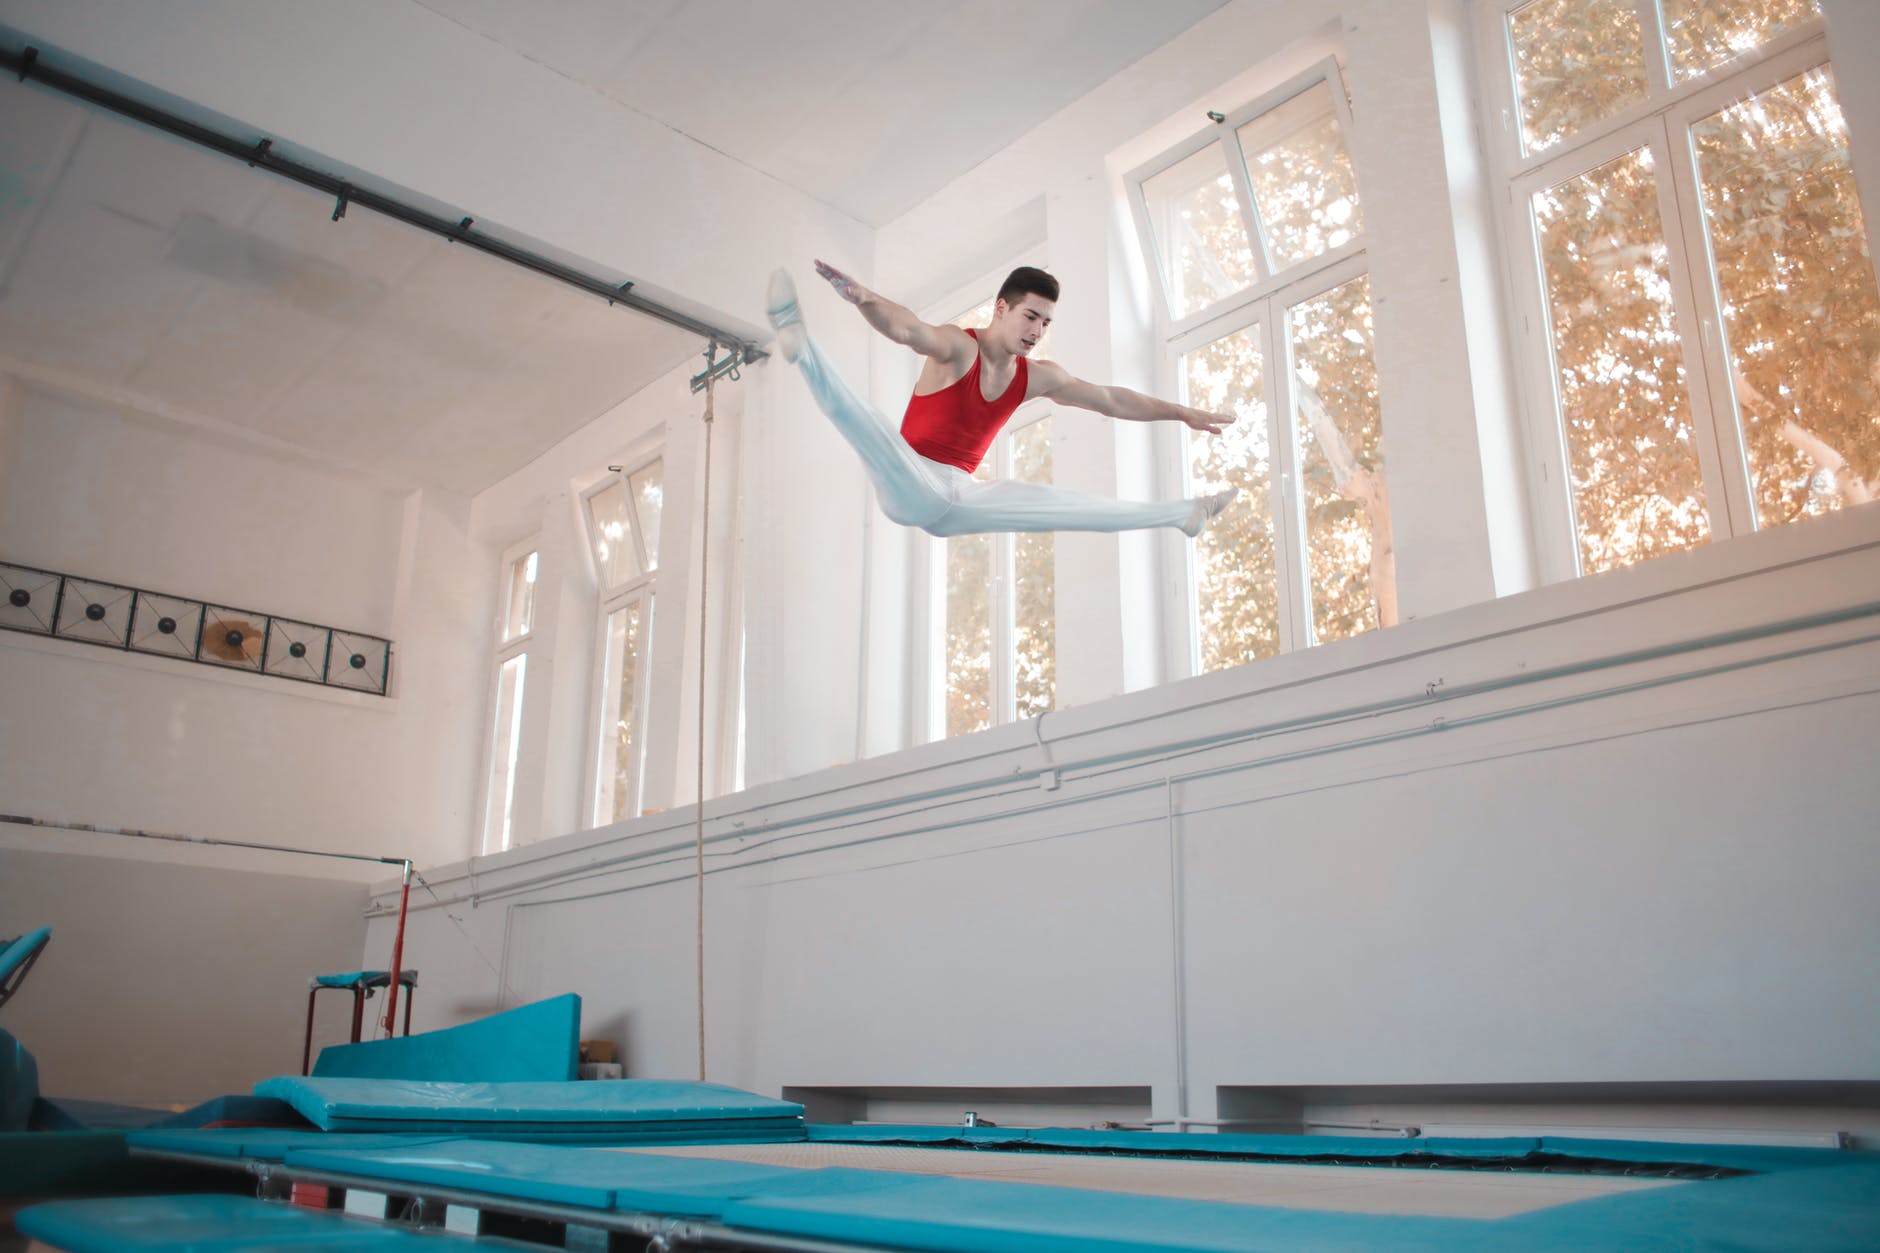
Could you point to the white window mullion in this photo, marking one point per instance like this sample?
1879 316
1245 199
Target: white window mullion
1651 25
1716 421
1294 570
1690 307
1249 207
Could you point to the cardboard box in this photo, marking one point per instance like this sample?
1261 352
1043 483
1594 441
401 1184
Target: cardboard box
597 1050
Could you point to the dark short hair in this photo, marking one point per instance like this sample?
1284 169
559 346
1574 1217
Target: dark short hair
1028 279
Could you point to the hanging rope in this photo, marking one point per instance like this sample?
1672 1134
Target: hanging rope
715 368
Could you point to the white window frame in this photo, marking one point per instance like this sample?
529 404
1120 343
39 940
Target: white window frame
1003 707
641 590
1663 122
505 651
1265 302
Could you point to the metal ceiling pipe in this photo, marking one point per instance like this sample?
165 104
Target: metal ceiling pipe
26 65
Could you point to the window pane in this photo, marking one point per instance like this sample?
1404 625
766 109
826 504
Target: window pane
969 632
1034 567
1302 181
619 773
1236 588
1575 62
1801 318
519 597
1200 234
1345 499
1700 35
614 556
646 487
1637 488
499 809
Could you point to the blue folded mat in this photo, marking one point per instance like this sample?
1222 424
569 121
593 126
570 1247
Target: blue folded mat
625 1105
263 1144
538 1042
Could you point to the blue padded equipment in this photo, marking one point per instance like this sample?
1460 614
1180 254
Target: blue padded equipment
19 1084
260 1144
367 979
628 1106
586 1177
539 1042
237 1109
17 957
212 1224
1831 1209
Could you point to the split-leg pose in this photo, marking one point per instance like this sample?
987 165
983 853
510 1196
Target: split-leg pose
968 387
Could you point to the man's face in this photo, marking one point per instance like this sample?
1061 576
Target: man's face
1019 327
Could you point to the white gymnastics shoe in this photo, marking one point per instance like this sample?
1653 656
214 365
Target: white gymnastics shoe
1206 508
785 316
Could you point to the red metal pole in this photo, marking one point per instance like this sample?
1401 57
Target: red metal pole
398 956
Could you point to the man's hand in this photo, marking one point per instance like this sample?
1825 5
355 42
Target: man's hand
846 287
1201 420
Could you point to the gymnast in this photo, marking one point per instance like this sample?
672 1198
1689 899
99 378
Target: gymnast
969 385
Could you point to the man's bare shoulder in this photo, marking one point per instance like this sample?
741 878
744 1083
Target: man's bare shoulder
1042 377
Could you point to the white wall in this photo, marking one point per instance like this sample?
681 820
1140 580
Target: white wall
1616 831
170 984
96 735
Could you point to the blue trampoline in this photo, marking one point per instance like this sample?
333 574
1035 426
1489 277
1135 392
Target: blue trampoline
641 1164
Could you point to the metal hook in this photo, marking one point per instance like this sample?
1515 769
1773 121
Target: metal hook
345 197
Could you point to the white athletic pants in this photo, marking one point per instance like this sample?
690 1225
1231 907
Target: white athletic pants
945 500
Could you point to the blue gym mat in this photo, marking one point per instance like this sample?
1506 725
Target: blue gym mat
1822 1210
19 1084
625 1106
15 953
587 1177
262 1144
535 1043
214 1224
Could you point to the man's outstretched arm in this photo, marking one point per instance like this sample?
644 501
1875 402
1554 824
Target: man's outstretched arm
1054 381
898 322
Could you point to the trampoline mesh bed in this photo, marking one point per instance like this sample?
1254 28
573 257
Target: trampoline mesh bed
1348 1189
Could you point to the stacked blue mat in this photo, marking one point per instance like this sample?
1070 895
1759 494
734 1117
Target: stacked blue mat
513 1076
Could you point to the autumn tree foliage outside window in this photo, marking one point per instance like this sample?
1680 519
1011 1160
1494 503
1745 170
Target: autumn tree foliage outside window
1255 230
1694 269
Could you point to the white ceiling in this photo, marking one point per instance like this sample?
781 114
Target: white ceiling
138 268
869 106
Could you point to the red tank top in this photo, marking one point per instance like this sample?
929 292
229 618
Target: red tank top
956 424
